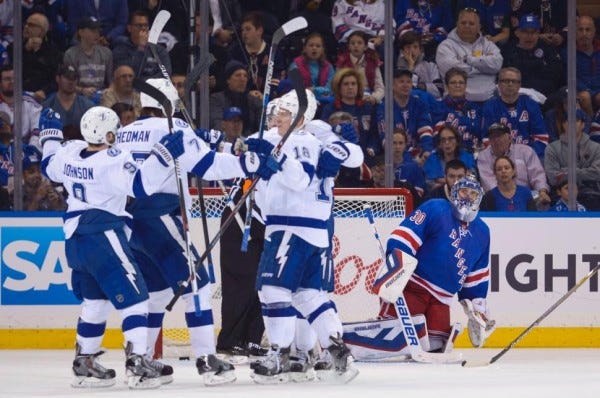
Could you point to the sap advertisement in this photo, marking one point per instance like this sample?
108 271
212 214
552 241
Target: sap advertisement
534 261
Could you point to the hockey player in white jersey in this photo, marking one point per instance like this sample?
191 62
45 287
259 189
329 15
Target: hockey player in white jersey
158 239
296 207
98 179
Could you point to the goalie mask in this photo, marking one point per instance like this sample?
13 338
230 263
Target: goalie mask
167 88
97 122
465 197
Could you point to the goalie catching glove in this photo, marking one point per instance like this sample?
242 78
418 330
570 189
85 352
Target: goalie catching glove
479 324
331 159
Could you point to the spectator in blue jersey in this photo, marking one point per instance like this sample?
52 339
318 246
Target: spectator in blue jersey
368 16
454 170
456 110
426 75
406 170
588 64
112 14
495 18
562 191
411 114
507 195
467 49
517 111
348 92
432 19
448 147
539 63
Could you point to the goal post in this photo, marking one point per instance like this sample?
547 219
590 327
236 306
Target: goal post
355 254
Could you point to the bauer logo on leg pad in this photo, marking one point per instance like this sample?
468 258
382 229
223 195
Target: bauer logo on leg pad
391 282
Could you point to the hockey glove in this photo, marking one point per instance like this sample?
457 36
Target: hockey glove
331 159
259 145
258 164
347 131
169 147
479 325
50 126
212 137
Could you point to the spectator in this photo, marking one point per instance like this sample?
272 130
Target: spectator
232 127
467 49
595 128
587 167
426 75
121 90
517 111
38 192
553 117
317 72
6 28
349 16
112 15
318 18
125 112
70 105
348 93
494 17
529 169
92 60
7 166
540 64
588 64
454 109
253 53
30 112
552 15
432 19
366 62
562 191
454 170
406 170
236 94
411 114
448 147
40 58
135 52
507 195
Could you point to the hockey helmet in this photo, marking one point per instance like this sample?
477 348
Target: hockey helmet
165 86
465 196
289 102
97 122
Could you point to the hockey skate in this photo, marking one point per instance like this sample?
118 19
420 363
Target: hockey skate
214 370
301 366
335 363
274 368
165 371
89 373
140 374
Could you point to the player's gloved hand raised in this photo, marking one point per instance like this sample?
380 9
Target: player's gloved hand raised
169 147
212 137
479 324
331 159
259 145
50 126
347 131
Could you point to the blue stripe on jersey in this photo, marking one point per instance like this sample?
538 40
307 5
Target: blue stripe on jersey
203 165
308 169
322 308
297 221
44 166
134 321
205 318
138 186
155 319
85 329
278 311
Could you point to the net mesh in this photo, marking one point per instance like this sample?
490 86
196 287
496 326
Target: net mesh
391 204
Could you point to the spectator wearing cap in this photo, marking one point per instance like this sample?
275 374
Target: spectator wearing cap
112 15
236 94
92 60
552 15
41 57
121 90
134 50
529 169
70 105
587 162
232 125
517 111
411 114
467 49
540 64
38 192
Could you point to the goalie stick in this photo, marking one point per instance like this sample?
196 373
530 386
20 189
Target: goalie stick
302 105
410 332
475 363
291 26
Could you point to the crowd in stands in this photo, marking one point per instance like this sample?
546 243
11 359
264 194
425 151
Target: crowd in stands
478 85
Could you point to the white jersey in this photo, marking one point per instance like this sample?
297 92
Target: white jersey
30 118
294 199
100 181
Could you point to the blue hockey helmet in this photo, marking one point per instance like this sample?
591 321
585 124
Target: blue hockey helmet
465 196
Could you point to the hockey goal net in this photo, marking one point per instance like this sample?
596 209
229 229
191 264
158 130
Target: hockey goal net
356 256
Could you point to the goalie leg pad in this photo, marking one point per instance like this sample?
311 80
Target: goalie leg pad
393 279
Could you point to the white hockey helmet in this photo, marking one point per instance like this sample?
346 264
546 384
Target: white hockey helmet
465 197
289 102
165 86
97 122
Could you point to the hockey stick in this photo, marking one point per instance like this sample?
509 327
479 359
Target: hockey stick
302 105
473 364
291 26
410 332
160 20
192 77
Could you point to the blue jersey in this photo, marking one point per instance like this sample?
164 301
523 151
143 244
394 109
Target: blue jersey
493 17
452 256
465 116
525 121
409 171
437 20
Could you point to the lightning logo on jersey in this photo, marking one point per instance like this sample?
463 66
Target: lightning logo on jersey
282 251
